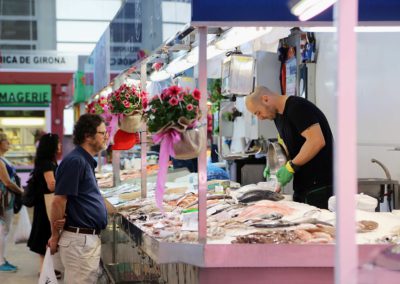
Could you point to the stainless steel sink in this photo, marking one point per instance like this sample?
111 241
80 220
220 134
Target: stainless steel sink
381 187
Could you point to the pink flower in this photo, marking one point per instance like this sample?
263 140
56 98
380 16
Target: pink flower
157 66
126 104
196 94
164 95
127 96
143 94
181 96
173 101
141 54
174 90
153 110
144 103
189 107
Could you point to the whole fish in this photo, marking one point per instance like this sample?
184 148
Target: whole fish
259 194
275 224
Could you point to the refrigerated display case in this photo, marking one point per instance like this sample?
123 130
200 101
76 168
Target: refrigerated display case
23 128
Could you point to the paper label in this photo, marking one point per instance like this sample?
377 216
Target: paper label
190 221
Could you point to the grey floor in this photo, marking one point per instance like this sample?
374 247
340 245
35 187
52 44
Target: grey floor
21 256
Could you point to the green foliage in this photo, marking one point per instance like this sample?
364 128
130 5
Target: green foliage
127 99
173 103
215 95
97 107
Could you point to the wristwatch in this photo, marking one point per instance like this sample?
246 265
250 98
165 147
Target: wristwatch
294 167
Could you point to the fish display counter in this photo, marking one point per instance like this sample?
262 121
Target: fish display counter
253 234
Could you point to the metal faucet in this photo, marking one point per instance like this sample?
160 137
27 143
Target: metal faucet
385 169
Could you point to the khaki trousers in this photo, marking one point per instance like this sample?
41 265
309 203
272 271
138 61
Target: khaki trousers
80 255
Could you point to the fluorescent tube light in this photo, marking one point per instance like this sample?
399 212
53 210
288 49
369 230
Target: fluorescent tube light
212 51
370 29
161 75
23 121
307 9
179 65
237 36
377 29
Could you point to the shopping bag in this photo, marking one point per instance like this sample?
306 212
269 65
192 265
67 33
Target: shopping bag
48 200
48 276
23 228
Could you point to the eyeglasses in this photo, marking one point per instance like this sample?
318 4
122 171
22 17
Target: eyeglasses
104 133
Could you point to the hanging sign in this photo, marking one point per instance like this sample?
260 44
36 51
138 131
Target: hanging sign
25 95
38 60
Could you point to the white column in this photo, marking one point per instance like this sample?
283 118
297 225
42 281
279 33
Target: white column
202 160
143 136
346 259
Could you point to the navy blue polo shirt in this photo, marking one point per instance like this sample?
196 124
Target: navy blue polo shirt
75 178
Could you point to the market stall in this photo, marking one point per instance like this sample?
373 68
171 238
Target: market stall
243 239
222 248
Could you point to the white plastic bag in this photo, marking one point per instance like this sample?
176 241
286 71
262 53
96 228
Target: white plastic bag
48 276
23 228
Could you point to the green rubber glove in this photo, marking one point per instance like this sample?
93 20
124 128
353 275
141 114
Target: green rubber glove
267 173
284 176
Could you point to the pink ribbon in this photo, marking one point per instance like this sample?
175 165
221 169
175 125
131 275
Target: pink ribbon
113 124
167 139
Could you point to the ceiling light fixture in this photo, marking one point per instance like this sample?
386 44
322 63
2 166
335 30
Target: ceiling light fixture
22 121
363 29
307 9
212 51
178 65
158 76
235 37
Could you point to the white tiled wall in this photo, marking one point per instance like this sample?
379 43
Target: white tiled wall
378 98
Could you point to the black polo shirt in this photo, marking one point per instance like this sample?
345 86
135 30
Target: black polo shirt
75 178
298 115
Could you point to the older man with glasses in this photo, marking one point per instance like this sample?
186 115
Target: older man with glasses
78 200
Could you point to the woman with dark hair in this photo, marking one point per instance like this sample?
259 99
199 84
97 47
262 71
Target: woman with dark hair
44 170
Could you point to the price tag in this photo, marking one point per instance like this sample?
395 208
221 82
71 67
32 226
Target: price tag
219 189
190 220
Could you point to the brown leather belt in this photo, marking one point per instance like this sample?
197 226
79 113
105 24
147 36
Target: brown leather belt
82 230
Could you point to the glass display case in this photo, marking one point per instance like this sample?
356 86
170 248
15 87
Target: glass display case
23 129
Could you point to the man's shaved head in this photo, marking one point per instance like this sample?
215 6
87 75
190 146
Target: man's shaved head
260 103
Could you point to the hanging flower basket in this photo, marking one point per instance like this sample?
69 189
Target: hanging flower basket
126 100
97 106
127 105
175 113
190 138
131 123
174 117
